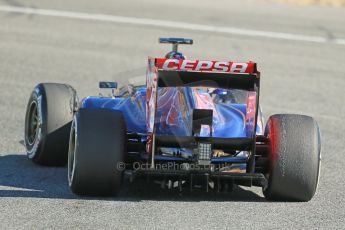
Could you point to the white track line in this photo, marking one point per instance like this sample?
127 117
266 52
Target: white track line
169 24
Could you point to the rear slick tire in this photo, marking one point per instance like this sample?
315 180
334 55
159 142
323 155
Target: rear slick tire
96 152
294 156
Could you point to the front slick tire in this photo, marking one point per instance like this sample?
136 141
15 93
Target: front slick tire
97 147
294 157
48 121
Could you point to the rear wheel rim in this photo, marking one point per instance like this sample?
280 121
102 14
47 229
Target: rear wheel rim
71 152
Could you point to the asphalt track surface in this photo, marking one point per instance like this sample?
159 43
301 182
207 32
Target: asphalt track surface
298 76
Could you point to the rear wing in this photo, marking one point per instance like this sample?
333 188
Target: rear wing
164 72
238 75
206 66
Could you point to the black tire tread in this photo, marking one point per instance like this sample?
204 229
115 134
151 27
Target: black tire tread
101 144
294 157
58 101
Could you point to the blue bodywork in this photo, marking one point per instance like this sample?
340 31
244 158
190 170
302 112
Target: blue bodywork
174 114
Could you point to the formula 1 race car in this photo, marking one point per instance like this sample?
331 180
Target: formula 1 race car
192 125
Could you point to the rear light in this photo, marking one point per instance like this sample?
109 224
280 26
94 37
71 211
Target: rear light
204 153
